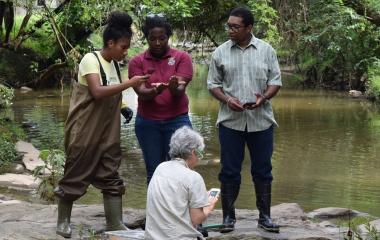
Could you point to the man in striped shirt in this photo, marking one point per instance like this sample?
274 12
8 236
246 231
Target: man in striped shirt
244 75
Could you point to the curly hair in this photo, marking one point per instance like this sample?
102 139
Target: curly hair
153 21
118 26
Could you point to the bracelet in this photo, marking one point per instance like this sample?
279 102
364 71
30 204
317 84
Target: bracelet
266 98
155 90
228 100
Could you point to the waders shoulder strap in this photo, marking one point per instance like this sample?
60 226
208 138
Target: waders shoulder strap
116 64
102 73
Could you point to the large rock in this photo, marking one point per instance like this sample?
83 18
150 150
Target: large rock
332 212
19 181
25 147
36 221
31 158
5 200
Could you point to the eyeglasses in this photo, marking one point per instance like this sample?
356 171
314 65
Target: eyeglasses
199 154
232 27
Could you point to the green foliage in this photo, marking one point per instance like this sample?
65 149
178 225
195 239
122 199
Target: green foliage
6 96
370 234
54 162
8 153
41 42
9 134
173 8
306 60
373 84
341 42
266 17
81 18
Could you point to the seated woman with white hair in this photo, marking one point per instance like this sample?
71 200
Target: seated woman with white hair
177 197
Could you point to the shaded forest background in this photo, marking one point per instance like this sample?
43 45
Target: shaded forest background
331 44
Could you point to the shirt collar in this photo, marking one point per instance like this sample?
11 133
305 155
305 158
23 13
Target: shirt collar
168 54
252 43
181 161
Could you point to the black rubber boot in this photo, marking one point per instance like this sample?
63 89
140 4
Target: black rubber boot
113 212
229 193
202 230
64 215
263 201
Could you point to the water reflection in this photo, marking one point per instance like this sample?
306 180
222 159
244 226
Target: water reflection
326 149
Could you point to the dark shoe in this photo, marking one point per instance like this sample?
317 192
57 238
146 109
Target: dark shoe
229 193
113 212
64 215
268 225
263 201
228 225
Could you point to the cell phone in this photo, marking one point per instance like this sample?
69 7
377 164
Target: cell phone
248 104
214 192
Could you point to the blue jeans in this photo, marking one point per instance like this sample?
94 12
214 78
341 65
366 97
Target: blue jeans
232 147
154 138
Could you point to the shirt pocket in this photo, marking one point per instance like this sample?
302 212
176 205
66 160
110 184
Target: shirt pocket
260 73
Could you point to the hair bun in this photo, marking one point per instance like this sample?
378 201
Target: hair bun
119 20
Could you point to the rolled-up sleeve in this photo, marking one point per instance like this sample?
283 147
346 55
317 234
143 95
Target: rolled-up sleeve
135 67
215 76
274 73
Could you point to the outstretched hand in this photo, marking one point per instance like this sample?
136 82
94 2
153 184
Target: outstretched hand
260 100
137 80
234 104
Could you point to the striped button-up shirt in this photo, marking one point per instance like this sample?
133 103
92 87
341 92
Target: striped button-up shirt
241 73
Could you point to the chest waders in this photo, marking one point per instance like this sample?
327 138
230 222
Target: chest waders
93 155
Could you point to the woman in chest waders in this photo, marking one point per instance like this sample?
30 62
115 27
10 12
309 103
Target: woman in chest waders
92 131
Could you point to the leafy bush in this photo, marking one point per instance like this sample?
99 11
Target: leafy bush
373 83
8 153
370 234
9 134
54 162
6 96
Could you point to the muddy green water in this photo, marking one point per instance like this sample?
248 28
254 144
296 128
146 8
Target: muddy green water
327 149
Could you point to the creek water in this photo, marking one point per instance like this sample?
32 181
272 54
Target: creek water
327 148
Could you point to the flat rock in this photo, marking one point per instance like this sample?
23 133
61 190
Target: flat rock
36 221
25 147
331 212
25 89
30 157
18 181
355 93
32 160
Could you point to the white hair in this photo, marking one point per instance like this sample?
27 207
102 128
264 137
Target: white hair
184 141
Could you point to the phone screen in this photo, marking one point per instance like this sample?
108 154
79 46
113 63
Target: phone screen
214 193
